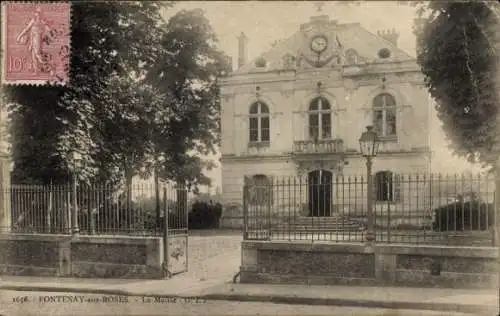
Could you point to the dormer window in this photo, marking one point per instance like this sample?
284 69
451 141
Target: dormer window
351 57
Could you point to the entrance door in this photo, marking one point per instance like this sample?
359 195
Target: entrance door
320 193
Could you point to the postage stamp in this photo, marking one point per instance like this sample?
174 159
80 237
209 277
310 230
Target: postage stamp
36 43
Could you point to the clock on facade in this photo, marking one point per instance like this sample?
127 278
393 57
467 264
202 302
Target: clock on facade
319 44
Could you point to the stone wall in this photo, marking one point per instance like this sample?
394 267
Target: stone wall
116 257
357 264
81 256
34 255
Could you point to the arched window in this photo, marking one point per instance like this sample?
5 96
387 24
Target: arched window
259 122
320 119
351 57
387 187
262 190
384 114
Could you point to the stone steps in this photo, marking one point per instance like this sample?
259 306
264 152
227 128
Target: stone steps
335 223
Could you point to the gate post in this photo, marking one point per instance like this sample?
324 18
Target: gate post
182 211
245 210
166 272
5 194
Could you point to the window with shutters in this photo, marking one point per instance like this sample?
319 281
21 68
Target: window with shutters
320 119
259 123
387 187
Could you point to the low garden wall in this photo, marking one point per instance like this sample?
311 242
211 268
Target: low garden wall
357 264
81 256
35 255
116 257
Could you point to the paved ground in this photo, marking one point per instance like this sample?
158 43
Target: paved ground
93 305
213 260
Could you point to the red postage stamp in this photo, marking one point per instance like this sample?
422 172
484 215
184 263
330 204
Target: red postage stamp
35 42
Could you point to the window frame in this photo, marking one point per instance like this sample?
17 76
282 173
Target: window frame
320 113
384 109
260 116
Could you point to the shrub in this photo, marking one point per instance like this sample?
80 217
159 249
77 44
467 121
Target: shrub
205 215
462 216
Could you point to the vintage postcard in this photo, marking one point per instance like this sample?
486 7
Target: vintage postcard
250 158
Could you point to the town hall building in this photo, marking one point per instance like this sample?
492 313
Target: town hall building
299 109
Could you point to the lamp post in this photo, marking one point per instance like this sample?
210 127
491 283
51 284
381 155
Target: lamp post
74 216
368 143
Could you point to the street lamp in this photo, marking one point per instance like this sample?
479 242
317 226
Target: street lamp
74 216
368 143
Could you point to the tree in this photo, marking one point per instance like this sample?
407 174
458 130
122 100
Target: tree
50 123
457 50
190 78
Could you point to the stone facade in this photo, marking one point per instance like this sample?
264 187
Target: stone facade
274 125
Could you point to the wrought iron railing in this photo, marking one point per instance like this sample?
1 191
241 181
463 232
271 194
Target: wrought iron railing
409 208
100 209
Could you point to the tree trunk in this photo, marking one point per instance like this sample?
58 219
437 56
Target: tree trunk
128 204
157 199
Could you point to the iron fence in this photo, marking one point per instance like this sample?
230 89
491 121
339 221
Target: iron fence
408 208
100 209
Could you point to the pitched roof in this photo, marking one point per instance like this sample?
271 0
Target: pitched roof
341 37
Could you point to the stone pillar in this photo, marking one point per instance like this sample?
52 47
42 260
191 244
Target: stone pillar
5 191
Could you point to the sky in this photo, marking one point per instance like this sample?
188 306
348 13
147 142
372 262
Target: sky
265 22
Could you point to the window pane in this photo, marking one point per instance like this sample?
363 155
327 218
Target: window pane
378 121
264 122
254 129
390 117
313 119
326 125
254 108
389 100
264 134
254 123
314 105
254 135
264 108
378 101
325 105
313 125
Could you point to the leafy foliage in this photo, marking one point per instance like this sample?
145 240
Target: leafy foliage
457 50
190 78
143 94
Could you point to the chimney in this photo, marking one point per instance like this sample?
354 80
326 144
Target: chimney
389 35
242 49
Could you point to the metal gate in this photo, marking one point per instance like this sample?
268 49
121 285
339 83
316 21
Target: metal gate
175 233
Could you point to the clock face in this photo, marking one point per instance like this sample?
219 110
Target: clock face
318 44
